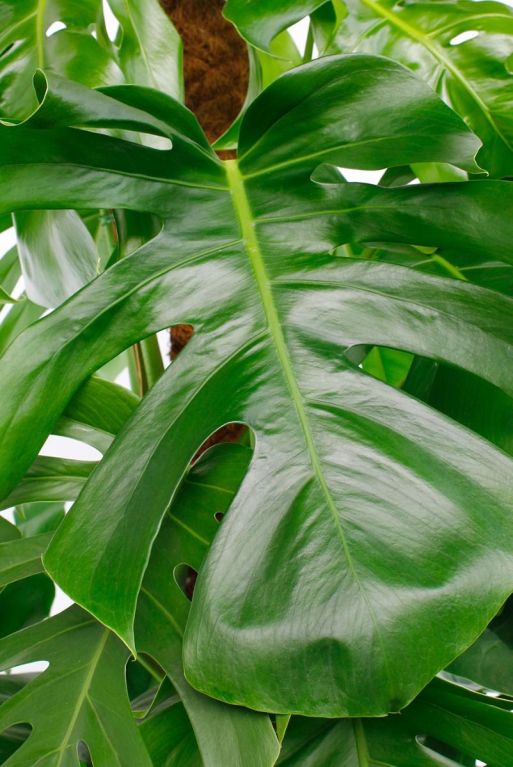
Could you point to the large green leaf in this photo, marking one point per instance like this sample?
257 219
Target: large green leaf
80 697
474 74
50 479
329 559
150 49
58 255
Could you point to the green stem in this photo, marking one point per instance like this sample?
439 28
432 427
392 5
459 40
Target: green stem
152 360
307 55
146 365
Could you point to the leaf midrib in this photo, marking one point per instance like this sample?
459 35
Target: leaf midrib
247 225
435 51
40 33
248 230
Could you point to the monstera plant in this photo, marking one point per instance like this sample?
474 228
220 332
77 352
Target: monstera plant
331 587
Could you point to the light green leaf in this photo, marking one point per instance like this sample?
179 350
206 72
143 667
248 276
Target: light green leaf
462 726
5 298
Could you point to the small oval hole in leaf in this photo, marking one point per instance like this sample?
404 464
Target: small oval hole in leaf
84 754
464 37
185 577
56 26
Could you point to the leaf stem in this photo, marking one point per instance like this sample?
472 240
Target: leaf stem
307 55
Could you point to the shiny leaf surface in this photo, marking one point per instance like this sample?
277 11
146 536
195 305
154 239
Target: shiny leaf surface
462 49
362 508
224 734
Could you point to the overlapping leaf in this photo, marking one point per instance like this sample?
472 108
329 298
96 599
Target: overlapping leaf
80 697
259 25
446 726
461 48
224 734
87 694
365 518
58 35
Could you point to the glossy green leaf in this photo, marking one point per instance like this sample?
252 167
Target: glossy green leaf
57 254
224 734
96 413
489 661
50 479
260 23
38 517
81 696
150 49
335 518
462 49
21 315
5 298
57 35
10 271
446 726
169 737
21 557
25 45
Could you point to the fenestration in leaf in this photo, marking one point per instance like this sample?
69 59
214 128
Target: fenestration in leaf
224 734
365 519
80 697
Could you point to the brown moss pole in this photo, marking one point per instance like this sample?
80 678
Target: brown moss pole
216 72
216 65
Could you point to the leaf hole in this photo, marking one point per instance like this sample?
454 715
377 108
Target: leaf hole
13 738
6 50
388 365
84 755
464 37
35 668
179 337
218 516
185 578
230 433
56 26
